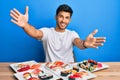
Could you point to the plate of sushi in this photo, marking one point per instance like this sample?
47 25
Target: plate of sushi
68 71
76 73
36 74
92 65
25 66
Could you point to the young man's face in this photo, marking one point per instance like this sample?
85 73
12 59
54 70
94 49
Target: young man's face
63 19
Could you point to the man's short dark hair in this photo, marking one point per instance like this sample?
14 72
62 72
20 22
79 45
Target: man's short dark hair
64 7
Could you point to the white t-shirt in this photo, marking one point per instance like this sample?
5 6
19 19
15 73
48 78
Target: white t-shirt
58 45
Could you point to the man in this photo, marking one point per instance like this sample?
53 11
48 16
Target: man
58 42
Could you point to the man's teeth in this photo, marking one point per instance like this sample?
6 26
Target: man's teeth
63 24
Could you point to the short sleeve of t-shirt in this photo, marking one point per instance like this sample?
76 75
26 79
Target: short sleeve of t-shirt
45 32
74 35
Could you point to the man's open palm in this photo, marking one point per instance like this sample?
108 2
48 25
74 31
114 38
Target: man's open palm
18 18
94 42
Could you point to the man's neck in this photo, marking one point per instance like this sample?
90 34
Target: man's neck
59 30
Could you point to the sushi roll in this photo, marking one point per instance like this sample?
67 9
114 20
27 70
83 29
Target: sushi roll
81 65
91 68
85 62
49 76
91 64
44 77
64 73
76 68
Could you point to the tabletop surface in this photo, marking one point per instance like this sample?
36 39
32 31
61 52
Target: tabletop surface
112 73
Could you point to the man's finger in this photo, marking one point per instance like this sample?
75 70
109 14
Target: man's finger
26 11
15 14
14 17
100 41
98 44
100 38
95 46
16 11
13 21
94 32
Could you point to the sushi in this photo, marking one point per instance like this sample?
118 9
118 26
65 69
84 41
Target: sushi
75 77
64 73
45 76
76 68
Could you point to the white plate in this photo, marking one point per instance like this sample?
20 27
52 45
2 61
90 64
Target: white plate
13 66
19 75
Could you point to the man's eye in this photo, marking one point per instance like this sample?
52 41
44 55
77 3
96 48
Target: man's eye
67 17
60 16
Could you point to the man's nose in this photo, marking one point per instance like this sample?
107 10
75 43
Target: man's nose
63 20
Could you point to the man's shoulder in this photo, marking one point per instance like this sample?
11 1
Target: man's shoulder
46 28
71 31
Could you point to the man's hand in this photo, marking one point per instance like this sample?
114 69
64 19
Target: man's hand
18 18
94 42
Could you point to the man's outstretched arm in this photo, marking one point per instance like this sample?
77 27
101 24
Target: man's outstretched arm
90 42
22 21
